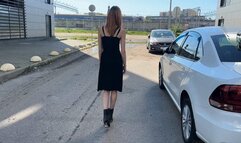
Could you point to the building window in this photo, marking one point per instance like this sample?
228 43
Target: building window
48 1
222 3
221 22
12 19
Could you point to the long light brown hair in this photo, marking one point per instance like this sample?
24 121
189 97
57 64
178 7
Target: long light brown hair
114 20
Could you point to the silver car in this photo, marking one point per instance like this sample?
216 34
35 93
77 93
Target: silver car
159 40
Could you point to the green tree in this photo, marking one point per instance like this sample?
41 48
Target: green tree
177 29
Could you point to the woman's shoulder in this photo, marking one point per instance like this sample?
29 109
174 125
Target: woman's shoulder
122 30
100 28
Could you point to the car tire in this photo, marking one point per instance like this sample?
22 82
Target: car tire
149 50
188 123
161 85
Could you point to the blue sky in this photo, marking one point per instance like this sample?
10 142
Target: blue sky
140 7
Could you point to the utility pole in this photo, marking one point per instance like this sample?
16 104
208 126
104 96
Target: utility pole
199 16
92 9
169 17
108 9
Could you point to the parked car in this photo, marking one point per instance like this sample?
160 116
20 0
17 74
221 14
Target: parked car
160 40
238 38
201 71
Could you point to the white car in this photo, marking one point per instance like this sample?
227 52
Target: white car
201 71
159 40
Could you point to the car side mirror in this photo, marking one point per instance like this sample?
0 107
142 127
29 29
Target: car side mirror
169 50
149 36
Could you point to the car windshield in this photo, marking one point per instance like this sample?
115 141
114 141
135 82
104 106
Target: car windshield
228 47
162 34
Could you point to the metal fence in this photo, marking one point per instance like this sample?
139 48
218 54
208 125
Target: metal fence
85 24
134 25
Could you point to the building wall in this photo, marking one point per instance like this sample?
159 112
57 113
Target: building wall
35 11
189 12
164 13
230 13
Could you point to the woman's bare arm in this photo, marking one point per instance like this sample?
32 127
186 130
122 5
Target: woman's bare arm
100 43
123 49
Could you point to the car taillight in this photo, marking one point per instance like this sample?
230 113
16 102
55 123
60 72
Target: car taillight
227 97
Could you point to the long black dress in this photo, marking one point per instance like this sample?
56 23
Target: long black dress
111 64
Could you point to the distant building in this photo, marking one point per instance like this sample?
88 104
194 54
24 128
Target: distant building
229 13
26 19
176 12
186 18
164 13
189 12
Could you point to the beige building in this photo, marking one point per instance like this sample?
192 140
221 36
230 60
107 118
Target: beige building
164 13
189 12
229 13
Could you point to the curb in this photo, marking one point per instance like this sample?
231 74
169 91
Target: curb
13 74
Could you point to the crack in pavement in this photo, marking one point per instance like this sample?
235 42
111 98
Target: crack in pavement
65 110
82 119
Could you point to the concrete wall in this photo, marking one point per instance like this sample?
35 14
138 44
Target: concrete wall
230 13
36 10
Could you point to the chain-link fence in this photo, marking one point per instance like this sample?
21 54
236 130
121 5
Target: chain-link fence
135 25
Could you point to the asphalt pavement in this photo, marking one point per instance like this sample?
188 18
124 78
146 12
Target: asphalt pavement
19 53
59 103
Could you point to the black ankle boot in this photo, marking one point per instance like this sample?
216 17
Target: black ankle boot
106 118
111 115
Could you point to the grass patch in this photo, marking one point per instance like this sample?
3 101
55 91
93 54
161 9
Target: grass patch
137 33
75 30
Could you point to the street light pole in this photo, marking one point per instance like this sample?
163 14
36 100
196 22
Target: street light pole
169 17
92 9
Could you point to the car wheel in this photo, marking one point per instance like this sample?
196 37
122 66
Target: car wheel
161 85
162 52
187 123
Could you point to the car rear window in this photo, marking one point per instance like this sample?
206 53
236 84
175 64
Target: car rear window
161 34
228 49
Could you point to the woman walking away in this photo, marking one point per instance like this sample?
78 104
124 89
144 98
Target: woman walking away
111 41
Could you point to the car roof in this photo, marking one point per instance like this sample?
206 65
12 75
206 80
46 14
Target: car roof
208 31
161 30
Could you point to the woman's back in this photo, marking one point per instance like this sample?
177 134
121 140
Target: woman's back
110 41
111 64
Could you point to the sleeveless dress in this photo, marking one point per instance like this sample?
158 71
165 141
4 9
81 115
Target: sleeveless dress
111 64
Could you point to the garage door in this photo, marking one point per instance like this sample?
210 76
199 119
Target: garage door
12 19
